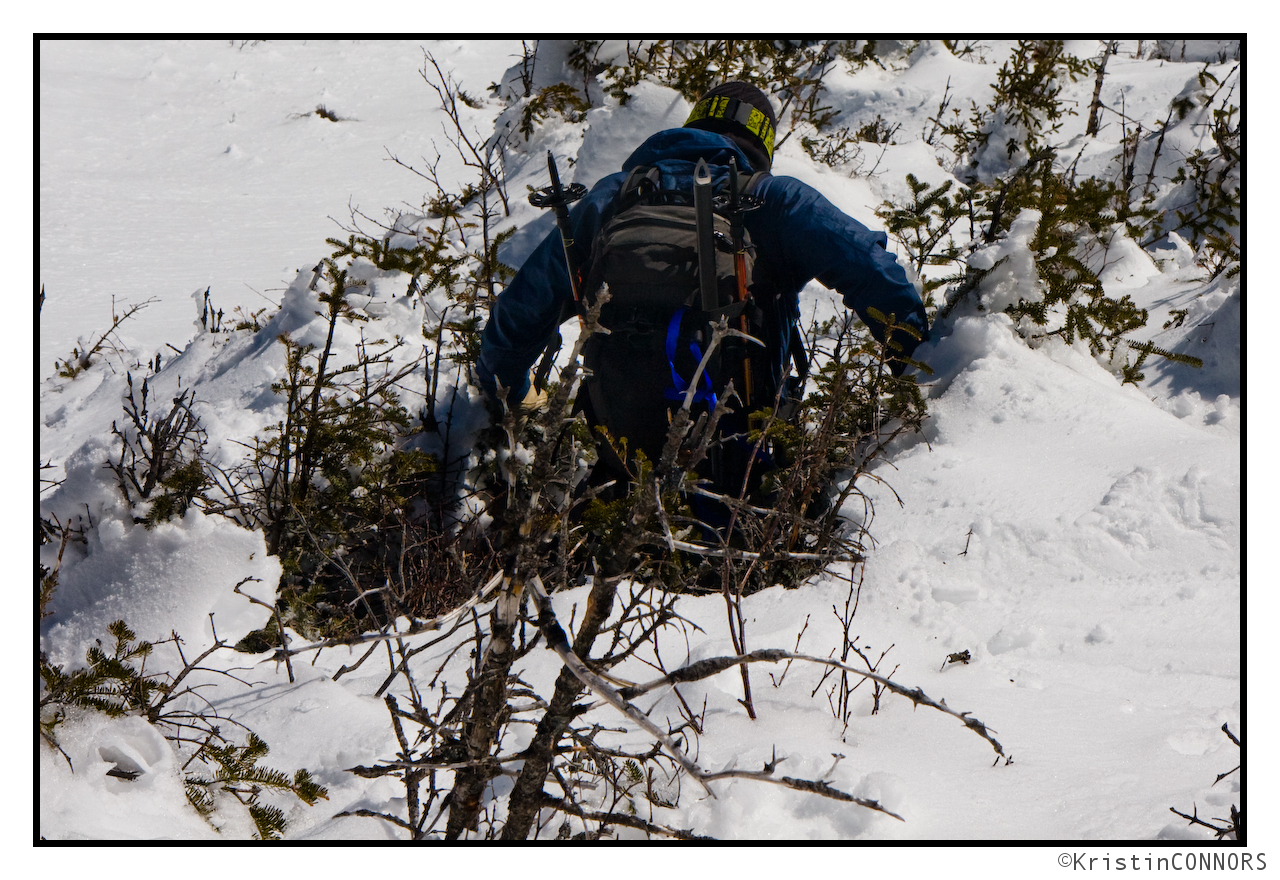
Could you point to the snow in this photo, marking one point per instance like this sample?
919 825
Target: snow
91 805
1080 538
159 580
260 179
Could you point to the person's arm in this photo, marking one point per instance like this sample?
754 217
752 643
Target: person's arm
526 314
812 238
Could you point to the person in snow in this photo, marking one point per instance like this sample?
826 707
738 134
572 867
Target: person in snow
797 235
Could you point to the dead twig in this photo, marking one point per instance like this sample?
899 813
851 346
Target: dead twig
714 665
417 628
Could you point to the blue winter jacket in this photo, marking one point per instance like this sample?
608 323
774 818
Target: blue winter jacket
798 236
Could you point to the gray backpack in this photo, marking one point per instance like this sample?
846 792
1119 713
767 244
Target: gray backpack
647 254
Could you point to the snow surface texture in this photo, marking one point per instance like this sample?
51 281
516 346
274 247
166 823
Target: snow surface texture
1081 539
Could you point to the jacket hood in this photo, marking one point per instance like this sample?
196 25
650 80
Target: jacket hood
690 145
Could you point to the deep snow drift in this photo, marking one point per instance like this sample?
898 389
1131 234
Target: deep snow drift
1080 538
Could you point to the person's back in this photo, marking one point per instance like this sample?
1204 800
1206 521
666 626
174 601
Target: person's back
658 328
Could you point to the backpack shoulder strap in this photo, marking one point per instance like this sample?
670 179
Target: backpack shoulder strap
754 182
640 182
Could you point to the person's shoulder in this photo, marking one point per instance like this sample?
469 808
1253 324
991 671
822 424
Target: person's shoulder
685 145
610 181
786 182
780 189
606 187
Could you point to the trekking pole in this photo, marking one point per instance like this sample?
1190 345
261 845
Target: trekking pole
558 198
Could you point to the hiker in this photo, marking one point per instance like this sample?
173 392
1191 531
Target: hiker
644 364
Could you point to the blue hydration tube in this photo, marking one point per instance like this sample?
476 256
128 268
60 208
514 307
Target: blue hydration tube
679 386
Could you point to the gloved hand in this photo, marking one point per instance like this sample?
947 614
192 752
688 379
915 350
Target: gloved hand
535 401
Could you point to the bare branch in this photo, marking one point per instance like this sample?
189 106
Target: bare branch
418 627
733 553
810 785
566 806
559 642
713 665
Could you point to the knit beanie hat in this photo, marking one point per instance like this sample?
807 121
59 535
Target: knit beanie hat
743 113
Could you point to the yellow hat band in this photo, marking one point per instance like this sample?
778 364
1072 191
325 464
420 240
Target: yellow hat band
733 110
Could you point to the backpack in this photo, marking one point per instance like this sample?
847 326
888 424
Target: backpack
639 372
